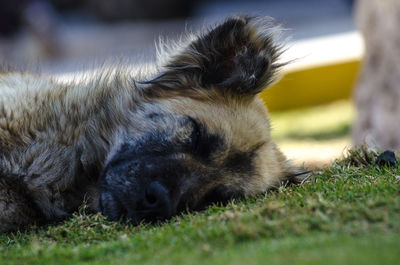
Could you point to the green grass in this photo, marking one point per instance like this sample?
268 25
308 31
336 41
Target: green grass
325 122
348 213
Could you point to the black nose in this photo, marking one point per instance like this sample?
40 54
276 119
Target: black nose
156 204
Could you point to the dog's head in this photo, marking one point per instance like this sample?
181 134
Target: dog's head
200 135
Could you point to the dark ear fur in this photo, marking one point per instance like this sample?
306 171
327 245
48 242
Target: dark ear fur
239 56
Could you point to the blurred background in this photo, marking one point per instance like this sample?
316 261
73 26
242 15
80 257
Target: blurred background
312 107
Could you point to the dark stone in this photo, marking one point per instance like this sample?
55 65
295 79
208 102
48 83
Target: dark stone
386 158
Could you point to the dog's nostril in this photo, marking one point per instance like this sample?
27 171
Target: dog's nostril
151 198
156 196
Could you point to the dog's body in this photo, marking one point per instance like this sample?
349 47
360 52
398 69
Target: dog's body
143 147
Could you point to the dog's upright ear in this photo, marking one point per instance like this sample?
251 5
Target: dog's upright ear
238 56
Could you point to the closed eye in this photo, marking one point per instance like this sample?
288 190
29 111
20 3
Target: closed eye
195 136
202 142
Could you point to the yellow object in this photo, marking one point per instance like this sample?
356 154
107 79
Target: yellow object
313 85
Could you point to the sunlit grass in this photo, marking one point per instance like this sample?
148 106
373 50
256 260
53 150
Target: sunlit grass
314 136
324 122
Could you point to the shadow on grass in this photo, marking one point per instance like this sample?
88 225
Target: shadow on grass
340 131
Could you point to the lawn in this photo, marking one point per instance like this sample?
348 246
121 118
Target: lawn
314 135
347 213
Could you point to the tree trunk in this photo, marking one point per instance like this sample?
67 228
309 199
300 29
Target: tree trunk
378 92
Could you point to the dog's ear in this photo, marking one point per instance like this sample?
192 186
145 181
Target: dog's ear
238 56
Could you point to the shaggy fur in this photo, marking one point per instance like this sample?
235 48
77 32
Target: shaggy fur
143 147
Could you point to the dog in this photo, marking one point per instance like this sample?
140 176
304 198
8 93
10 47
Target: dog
144 145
